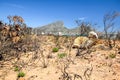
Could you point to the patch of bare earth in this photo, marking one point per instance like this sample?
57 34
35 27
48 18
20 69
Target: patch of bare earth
44 64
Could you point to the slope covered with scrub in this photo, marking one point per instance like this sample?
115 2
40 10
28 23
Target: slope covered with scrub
39 61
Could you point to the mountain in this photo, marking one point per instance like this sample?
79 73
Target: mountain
54 28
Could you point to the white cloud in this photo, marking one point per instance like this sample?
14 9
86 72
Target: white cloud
14 5
82 18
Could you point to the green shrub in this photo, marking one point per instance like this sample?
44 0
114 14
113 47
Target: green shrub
61 55
55 49
111 55
21 74
16 68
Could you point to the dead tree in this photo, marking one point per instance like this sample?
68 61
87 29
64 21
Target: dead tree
10 19
15 20
109 23
84 27
118 35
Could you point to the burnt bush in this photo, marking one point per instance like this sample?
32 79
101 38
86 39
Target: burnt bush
16 38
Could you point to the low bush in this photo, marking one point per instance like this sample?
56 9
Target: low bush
21 74
62 55
16 68
55 50
111 55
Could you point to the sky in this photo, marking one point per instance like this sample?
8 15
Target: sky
42 12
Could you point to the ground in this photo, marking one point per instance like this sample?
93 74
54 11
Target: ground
97 63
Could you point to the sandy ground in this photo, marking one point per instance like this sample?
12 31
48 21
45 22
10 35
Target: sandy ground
97 65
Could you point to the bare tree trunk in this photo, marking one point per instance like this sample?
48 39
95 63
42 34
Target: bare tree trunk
108 21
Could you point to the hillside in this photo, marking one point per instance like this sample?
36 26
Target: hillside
56 27
97 63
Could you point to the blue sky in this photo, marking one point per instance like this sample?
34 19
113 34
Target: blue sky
41 12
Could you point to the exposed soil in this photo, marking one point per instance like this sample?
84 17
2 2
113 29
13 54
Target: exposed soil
44 64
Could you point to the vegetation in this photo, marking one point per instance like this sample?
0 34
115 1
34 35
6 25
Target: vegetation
55 50
84 27
13 38
109 23
62 55
21 74
40 52
16 68
112 55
